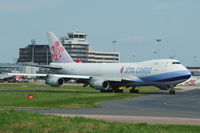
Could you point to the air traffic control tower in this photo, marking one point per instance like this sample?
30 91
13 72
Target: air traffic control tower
76 45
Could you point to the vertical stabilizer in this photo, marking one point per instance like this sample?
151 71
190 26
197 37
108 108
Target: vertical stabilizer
58 52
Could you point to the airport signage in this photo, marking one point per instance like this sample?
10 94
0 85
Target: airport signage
30 96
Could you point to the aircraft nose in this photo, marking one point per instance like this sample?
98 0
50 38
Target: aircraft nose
188 73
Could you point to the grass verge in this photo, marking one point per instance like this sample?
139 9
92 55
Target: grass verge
45 100
23 122
72 97
72 88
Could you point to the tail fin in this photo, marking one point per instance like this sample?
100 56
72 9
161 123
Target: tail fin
58 52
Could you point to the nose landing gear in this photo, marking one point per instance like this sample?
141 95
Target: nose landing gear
172 91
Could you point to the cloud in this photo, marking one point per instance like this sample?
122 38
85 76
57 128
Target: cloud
24 5
162 6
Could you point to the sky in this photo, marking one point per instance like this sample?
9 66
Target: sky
134 24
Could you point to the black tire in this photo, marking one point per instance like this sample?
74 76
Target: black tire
102 90
111 90
136 91
132 91
118 91
115 91
172 92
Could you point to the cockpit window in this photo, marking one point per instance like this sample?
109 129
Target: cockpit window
176 63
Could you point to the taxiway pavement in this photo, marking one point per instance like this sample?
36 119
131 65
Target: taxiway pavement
181 108
184 107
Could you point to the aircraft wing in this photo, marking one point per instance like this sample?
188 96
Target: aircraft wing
79 77
55 75
3 76
27 74
43 66
70 76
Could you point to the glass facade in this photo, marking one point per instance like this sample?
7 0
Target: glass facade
35 53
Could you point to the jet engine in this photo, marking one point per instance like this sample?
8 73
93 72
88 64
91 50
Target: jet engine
100 84
55 81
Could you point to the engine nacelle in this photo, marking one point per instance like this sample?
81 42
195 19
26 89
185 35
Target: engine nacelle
55 81
100 84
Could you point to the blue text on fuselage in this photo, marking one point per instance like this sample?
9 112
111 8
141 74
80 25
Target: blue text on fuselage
137 70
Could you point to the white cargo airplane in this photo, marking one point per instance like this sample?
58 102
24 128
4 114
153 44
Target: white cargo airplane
109 77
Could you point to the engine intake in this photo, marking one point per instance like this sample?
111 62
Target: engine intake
100 84
55 81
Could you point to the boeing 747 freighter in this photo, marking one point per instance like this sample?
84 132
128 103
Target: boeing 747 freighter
109 77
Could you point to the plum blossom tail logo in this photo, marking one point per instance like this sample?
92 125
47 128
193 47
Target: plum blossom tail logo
122 70
57 51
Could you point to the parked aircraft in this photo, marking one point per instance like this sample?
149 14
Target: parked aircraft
109 77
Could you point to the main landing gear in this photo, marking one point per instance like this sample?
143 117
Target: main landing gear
118 90
115 90
133 90
172 92
108 90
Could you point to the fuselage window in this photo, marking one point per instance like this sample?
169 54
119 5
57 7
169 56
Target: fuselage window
176 63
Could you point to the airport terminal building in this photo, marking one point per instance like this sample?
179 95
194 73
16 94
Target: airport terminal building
77 46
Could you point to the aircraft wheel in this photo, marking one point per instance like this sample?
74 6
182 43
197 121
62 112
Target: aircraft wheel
132 91
172 92
121 91
102 90
118 91
136 91
115 91
110 90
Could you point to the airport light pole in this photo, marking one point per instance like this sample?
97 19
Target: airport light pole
114 42
33 49
47 50
158 47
